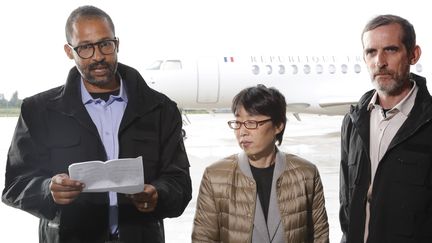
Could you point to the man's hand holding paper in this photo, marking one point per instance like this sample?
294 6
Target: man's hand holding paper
64 190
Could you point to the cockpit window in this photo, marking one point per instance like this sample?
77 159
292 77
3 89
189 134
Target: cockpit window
165 65
172 65
155 65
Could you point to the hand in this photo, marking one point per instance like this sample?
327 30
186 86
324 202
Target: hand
64 190
145 201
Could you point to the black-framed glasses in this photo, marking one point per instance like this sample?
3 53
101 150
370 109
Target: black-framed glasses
249 124
86 51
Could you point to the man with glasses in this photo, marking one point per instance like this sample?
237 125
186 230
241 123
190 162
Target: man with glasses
261 194
104 111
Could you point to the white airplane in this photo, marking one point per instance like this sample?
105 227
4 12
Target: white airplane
311 84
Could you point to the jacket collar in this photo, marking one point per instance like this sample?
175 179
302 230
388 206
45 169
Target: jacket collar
420 114
141 98
273 229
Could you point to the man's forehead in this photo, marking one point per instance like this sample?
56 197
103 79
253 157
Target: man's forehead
385 35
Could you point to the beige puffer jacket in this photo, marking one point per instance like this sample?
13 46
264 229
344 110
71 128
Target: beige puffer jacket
226 203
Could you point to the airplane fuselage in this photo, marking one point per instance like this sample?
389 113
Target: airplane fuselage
311 84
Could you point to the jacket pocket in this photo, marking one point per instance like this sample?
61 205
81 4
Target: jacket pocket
49 231
64 148
147 145
413 168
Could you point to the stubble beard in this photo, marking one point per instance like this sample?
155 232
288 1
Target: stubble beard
98 81
392 87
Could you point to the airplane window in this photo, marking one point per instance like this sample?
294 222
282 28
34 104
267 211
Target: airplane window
269 69
281 69
332 69
306 69
319 69
294 69
344 68
172 65
255 69
419 68
357 68
155 65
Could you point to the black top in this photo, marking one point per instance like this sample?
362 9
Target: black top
263 178
105 96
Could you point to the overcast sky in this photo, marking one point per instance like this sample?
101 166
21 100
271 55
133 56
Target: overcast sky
32 32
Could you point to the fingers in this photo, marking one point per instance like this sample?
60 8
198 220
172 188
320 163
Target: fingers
145 207
64 180
64 190
145 201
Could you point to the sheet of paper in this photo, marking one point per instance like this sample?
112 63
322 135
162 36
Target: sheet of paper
118 175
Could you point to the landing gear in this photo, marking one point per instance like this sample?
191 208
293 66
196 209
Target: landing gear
183 133
186 121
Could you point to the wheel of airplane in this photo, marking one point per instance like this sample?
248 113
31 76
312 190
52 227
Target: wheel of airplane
183 133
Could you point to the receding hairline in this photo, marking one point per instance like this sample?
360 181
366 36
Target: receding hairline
86 12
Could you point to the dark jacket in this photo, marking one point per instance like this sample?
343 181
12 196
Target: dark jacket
54 130
401 202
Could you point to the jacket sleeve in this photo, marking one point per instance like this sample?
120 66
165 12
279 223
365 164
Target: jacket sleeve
343 184
173 184
319 214
206 223
26 181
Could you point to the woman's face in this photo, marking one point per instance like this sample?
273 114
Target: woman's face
259 142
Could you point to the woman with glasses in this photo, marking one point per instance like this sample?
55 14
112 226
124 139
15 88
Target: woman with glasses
260 194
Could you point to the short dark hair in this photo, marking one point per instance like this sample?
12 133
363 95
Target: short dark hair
409 35
260 100
88 12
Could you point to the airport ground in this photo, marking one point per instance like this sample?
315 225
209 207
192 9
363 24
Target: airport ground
315 138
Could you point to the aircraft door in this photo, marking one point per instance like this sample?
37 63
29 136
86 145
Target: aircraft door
208 80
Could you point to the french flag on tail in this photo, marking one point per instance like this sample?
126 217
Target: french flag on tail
229 59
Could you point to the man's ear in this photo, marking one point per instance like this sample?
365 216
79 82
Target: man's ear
415 55
118 44
69 51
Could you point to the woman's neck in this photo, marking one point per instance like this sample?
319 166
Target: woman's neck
263 161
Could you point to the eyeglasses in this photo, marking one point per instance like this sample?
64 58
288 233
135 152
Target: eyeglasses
86 51
249 124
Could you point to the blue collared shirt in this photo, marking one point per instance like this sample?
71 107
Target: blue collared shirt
107 117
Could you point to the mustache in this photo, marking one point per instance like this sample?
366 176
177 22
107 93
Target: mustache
100 64
382 72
